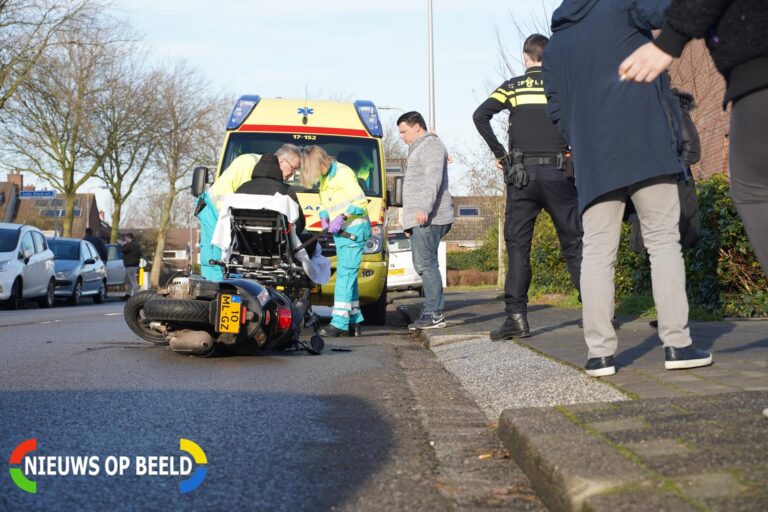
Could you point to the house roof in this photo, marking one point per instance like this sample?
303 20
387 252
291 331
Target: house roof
468 227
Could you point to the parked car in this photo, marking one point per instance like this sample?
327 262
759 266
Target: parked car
401 275
26 266
117 275
79 270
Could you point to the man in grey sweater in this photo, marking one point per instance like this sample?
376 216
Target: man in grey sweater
427 211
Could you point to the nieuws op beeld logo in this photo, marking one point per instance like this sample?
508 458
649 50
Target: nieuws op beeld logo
25 465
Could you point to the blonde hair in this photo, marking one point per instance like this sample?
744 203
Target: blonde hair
314 160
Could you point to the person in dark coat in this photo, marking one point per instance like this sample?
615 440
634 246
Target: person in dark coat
131 249
625 141
735 32
268 178
690 219
98 243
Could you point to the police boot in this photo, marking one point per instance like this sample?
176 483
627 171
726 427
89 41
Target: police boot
515 326
355 330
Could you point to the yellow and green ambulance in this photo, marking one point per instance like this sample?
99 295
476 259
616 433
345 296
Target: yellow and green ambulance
350 132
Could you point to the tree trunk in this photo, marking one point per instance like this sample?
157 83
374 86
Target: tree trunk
118 206
165 220
69 210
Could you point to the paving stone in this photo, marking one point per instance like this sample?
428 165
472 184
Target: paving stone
710 485
659 448
617 425
742 382
709 389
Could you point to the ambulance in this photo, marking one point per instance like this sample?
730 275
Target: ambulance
350 132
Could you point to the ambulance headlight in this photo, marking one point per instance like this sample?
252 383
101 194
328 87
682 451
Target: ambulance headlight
374 244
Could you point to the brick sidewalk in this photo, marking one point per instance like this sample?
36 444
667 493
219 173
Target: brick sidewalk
691 440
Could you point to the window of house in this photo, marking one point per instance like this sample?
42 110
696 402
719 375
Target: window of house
469 211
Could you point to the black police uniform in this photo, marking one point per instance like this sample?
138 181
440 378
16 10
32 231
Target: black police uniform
543 148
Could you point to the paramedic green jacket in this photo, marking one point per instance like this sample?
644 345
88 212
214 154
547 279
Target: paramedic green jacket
341 194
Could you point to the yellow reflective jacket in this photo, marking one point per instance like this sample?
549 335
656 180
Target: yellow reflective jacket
237 173
340 193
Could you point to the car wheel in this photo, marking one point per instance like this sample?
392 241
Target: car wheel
77 293
101 296
376 312
48 299
15 297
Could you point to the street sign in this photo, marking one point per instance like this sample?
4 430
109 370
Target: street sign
24 194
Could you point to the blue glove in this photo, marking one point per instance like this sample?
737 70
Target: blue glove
335 225
324 222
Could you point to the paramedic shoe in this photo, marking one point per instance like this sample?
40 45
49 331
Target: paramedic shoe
428 321
686 357
355 330
331 331
600 366
515 326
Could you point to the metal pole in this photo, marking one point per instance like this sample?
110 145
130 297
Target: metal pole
431 72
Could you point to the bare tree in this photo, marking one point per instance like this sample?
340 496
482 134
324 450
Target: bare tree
27 31
394 148
186 110
52 131
127 113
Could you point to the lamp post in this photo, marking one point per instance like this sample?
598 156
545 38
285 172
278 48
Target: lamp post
431 71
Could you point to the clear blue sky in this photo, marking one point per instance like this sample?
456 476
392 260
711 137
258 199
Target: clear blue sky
344 49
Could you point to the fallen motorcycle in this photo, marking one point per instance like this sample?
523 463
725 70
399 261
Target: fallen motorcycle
262 304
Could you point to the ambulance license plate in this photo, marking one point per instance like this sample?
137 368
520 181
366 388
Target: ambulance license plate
396 271
230 307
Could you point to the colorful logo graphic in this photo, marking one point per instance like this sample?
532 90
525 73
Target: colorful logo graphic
17 475
305 111
198 476
24 464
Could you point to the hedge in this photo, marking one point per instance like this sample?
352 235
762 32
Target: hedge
723 275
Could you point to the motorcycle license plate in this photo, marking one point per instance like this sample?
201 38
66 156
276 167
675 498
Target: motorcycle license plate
230 308
396 271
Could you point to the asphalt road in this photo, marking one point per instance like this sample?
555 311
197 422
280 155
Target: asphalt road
285 431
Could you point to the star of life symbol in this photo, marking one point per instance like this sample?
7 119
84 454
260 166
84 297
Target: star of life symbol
306 111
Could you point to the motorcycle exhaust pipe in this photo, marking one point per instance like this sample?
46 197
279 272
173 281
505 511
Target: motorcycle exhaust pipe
191 342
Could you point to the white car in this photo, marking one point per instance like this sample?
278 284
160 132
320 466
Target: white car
401 274
26 266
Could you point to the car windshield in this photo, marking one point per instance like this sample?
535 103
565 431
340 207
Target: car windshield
9 238
361 155
64 249
398 242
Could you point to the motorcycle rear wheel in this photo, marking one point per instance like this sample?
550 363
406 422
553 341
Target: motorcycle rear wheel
180 311
137 320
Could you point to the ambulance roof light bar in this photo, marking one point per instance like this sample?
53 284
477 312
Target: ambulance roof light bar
242 110
370 117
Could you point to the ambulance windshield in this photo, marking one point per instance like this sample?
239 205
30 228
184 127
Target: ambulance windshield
361 155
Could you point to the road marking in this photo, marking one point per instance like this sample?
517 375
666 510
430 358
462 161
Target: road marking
112 314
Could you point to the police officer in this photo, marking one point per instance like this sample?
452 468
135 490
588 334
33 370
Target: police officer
534 171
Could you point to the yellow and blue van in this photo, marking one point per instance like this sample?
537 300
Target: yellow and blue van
350 132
